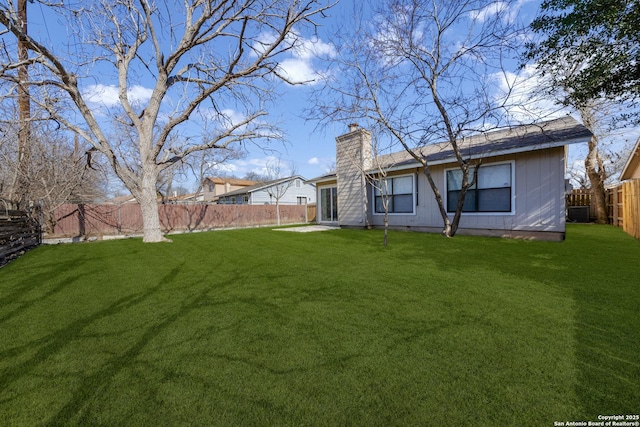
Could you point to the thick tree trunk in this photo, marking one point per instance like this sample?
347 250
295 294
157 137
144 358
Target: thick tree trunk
595 171
147 197
594 165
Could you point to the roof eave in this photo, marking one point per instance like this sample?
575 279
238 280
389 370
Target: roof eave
504 152
634 159
323 178
516 150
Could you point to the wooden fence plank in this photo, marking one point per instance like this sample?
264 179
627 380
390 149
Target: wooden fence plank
18 233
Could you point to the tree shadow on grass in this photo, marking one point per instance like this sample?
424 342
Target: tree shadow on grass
17 296
53 343
77 409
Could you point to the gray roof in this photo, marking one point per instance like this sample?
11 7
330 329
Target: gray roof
326 177
517 139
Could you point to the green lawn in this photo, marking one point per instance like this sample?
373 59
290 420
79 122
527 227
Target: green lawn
264 327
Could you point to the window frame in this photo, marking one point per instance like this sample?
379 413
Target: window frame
512 163
374 189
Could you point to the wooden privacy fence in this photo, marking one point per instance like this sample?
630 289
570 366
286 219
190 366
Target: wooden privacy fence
19 232
624 207
71 220
579 197
312 210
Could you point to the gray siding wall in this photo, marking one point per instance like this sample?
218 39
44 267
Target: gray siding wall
290 197
539 197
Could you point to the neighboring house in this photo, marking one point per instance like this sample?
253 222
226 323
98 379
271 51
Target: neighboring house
123 199
214 187
520 190
178 198
632 167
293 190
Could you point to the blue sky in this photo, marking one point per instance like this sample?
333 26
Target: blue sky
309 149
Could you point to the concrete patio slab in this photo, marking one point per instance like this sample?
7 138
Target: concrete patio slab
309 228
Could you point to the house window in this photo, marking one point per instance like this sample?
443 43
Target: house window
399 193
298 183
493 191
302 200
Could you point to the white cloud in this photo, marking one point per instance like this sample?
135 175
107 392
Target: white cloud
107 95
225 168
230 118
298 66
321 165
490 11
313 48
138 93
298 71
101 94
523 97
508 11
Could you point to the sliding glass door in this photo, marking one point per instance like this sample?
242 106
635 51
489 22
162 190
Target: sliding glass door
329 204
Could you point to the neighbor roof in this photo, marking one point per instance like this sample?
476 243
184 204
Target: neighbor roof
326 177
261 185
230 181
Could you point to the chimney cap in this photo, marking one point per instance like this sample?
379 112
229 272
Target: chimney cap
353 127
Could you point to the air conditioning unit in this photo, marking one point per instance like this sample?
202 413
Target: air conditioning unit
578 214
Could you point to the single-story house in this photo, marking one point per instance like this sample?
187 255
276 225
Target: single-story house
520 191
213 187
292 190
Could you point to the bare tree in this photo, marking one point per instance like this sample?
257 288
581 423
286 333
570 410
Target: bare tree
201 59
255 176
377 178
280 185
58 170
420 71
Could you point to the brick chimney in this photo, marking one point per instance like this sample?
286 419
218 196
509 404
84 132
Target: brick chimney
353 159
